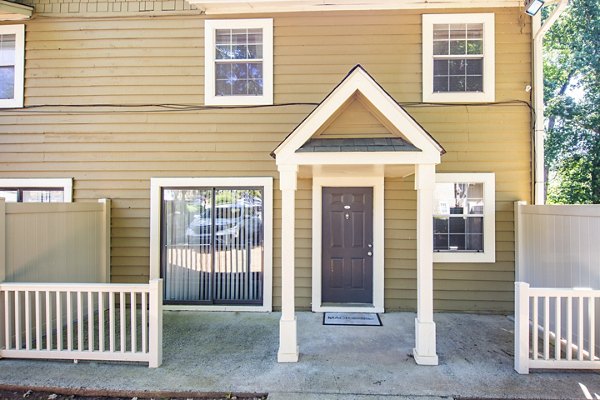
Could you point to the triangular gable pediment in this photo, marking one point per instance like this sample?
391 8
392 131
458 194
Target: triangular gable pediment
354 120
358 108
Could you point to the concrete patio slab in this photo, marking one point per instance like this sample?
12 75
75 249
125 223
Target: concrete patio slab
237 352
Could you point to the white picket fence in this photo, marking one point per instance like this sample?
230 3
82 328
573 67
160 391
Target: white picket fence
556 328
82 321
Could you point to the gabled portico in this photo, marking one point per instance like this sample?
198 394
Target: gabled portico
358 154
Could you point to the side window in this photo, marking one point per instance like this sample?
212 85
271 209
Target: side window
36 190
458 57
463 218
239 62
12 58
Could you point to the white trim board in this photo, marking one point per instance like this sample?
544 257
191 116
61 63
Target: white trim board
156 184
377 183
66 184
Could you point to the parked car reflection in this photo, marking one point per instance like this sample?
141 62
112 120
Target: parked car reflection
235 225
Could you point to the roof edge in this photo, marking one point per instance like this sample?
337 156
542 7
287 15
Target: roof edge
275 6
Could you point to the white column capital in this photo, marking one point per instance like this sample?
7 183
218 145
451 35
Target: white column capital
424 176
288 176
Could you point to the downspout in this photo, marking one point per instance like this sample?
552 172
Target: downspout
537 32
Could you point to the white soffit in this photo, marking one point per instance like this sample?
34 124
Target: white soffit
10 11
263 6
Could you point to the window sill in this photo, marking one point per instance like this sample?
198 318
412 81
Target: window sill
238 100
464 257
459 97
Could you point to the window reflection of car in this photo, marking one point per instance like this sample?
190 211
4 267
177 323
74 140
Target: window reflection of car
235 224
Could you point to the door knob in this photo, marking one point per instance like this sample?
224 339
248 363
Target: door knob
370 253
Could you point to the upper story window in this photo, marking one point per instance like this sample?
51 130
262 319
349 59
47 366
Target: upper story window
458 57
36 190
463 218
12 55
239 62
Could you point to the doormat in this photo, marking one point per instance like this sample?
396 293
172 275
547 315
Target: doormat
351 318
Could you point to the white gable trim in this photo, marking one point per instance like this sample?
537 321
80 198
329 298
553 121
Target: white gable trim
359 81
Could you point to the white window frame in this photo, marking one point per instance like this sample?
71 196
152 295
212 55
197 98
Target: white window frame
156 185
19 32
489 87
489 219
66 184
210 26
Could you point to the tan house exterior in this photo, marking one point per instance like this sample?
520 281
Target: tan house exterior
115 100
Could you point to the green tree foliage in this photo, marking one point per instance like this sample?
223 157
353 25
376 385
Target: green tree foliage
572 97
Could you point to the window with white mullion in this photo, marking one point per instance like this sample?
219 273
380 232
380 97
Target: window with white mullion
458 57
239 62
464 217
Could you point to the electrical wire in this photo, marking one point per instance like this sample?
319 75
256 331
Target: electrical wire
72 109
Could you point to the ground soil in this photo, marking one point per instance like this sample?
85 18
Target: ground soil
81 395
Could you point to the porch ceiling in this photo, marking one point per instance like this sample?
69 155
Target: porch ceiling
352 170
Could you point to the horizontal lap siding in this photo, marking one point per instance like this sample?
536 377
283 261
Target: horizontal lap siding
160 60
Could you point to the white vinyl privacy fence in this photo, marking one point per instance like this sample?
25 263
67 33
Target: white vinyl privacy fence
557 290
113 322
55 242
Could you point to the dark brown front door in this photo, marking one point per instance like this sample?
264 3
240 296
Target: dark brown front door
347 237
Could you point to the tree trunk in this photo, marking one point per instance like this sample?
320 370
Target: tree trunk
563 89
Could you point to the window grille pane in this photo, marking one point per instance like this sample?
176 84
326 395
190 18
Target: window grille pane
475 47
440 48
440 67
440 84
458 217
474 83
457 84
474 66
458 31
239 78
7 49
7 82
457 67
475 31
223 87
451 43
458 47
43 196
441 31
474 242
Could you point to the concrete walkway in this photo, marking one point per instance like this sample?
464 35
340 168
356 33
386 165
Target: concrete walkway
236 352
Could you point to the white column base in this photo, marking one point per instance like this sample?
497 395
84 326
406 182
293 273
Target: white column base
425 352
288 343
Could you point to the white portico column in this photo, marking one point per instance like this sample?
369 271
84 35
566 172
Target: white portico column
288 342
424 351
